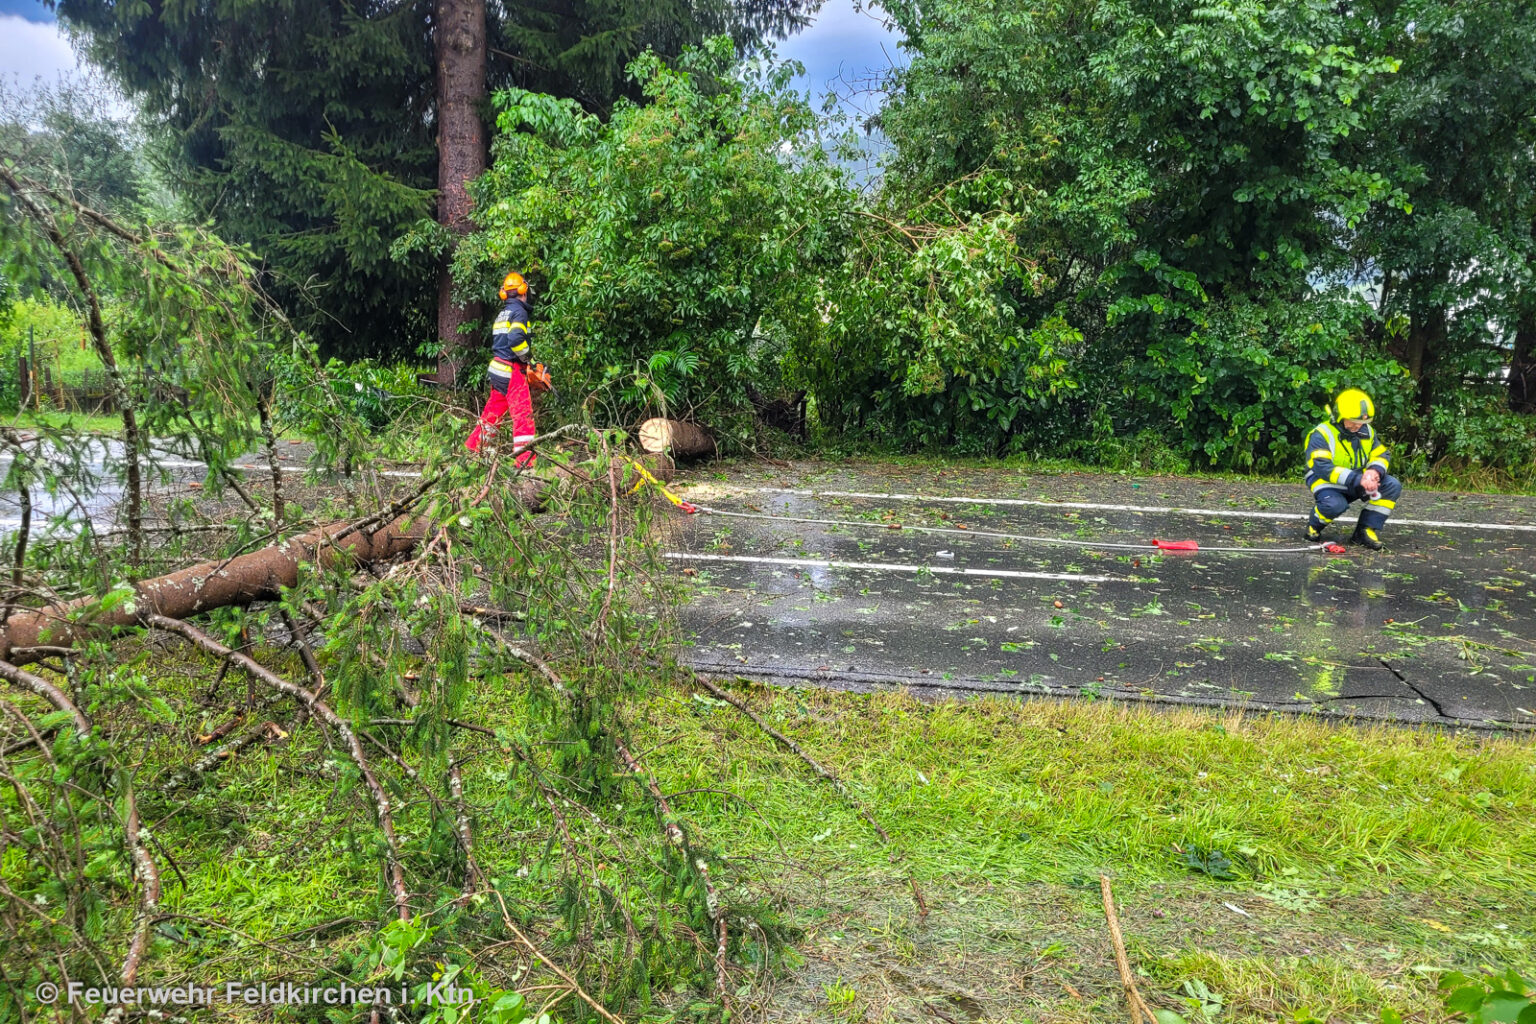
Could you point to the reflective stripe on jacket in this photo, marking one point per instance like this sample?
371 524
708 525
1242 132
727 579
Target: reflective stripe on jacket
1337 458
509 334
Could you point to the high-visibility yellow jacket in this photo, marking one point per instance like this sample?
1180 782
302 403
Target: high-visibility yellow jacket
1337 458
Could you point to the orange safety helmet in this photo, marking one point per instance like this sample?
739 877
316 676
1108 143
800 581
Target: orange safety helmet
512 284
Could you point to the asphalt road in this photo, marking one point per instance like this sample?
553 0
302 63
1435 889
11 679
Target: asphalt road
1440 627
1031 584
95 493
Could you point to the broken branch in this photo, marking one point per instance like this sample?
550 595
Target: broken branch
321 710
1139 1012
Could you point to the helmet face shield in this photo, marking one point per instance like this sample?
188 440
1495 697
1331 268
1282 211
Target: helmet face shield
1354 404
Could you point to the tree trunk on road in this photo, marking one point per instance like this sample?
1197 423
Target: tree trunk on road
459 34
675 438
258 576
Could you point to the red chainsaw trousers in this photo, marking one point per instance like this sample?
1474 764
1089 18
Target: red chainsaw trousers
514 399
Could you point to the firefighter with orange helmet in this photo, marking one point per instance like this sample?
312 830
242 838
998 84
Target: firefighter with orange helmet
508 372
1346 462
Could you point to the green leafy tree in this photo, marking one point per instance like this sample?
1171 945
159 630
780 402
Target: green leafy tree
69 134
1162 162
677 244
193 346
1457 126
308 129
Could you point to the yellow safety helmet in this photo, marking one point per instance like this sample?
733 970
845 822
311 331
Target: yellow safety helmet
1353 404
513 284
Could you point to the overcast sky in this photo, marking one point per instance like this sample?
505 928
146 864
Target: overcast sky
841 48
31 44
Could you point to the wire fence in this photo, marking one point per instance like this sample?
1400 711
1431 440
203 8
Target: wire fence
88 391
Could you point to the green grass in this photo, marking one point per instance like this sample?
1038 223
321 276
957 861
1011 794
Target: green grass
1364 860
1379 849
109 423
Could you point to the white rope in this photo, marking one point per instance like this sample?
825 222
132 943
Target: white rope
1069 541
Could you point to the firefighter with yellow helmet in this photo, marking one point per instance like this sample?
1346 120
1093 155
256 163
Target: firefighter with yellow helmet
1347 463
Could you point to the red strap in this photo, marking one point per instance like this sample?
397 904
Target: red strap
1175 545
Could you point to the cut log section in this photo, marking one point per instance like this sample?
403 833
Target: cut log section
675 437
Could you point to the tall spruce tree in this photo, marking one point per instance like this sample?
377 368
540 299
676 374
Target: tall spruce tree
310 129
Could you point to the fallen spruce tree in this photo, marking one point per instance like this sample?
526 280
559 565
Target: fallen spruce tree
389 640
327 734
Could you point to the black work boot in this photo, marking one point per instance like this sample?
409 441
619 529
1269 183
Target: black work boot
1315 530
1366 535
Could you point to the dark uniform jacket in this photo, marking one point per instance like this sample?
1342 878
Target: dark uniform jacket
509 341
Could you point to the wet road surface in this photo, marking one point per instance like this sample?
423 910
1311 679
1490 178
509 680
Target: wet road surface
1441 627
1046 584
88 482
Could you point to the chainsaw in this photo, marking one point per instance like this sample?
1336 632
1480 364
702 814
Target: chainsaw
539 379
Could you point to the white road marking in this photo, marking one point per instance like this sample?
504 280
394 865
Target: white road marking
407 474
1161 510
812 563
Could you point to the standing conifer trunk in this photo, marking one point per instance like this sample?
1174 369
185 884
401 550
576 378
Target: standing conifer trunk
1522 366
459 37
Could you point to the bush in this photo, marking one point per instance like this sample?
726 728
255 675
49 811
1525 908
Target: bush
1243 388
672 246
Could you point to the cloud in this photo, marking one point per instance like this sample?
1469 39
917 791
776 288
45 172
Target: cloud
842 41
29 50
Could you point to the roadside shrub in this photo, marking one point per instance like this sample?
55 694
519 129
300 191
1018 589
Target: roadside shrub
1242 388
672 247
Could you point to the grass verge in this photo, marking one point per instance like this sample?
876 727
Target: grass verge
1267 868
1277 868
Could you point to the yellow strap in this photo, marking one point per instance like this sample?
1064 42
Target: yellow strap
647 478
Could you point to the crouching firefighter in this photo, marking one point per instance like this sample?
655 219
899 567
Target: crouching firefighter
1346 463
510 355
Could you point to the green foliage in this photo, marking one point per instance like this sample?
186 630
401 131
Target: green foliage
1487 998
454 992
307 129
54 333
70 134
674 246
1456 125
924 338
375 395
1210 862
1243 389
1176 178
